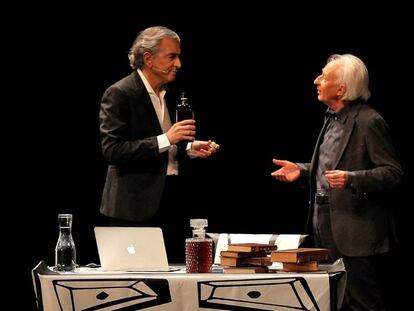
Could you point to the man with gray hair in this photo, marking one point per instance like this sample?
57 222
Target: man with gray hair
353 169
141 143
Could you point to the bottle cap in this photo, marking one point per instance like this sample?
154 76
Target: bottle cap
198 223
183 96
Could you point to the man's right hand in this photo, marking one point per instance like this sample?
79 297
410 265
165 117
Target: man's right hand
288 172
183 130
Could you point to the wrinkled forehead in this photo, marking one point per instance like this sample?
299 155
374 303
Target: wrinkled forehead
170 45
330 67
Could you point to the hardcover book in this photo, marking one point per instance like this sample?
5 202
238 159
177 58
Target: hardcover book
300 267
247 261
246 270
251 247
243 254
300 255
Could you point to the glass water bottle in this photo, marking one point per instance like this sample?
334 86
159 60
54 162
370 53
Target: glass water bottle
198 249
65 251
183 111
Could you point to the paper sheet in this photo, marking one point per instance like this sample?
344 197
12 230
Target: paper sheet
222 243
287 241
250 238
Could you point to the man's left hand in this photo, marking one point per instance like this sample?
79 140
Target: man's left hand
337 179
204 149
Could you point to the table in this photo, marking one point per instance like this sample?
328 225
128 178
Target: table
90 289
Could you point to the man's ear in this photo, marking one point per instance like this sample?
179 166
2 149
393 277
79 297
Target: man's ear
147 57
341 90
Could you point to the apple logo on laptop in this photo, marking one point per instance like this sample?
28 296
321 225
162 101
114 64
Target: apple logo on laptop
131 249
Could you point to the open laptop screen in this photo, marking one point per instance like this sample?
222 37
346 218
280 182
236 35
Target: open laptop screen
131 248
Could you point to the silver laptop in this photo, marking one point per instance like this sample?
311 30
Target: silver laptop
131 248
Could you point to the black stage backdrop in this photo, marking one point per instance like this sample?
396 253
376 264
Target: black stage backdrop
249 78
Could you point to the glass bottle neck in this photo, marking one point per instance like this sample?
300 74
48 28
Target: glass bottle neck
199 233
65 230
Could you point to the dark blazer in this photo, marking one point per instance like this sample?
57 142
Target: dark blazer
362 224
137 171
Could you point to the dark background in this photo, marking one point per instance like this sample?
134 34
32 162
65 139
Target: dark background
249 77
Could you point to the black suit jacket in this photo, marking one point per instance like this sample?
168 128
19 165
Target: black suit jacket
137 171
362 222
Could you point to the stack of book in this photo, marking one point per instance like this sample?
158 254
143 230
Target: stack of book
246 258
300 259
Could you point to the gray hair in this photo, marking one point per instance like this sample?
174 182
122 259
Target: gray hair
354 74
148 40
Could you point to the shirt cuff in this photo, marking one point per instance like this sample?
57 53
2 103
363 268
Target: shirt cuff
163 143
189 151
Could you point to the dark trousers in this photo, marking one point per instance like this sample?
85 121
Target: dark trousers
170 217
363 287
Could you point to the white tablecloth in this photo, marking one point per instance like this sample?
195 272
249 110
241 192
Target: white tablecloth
95 290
